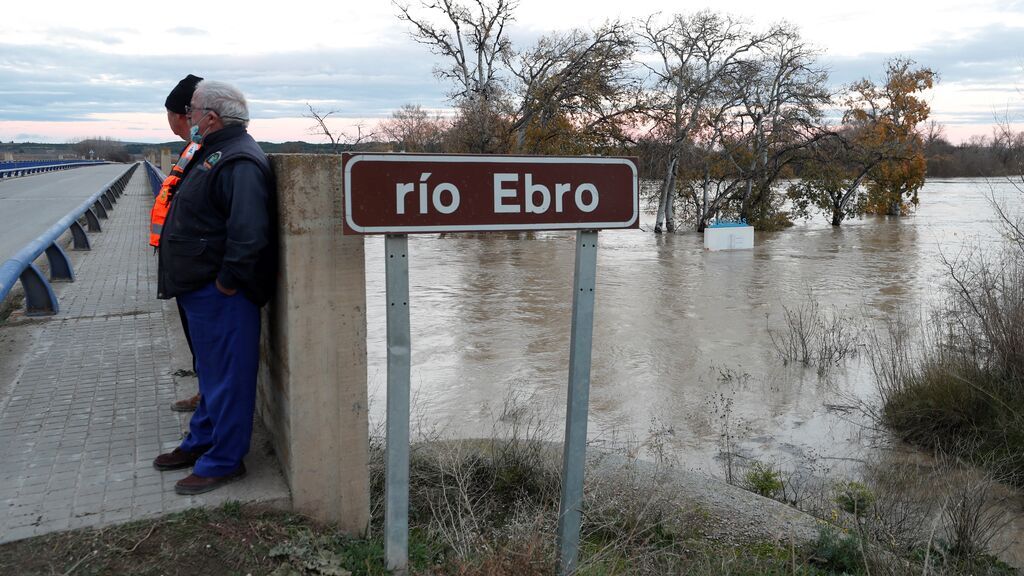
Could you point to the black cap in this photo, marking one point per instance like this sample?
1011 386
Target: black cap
182 94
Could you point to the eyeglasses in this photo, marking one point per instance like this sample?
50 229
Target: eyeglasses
188 110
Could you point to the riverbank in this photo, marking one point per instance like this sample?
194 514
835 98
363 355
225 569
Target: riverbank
236 539
490 507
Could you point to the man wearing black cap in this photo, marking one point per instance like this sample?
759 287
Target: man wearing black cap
219 260
176 103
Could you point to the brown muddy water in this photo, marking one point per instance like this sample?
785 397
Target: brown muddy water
682 358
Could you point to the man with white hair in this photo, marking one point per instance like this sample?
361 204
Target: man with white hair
218 258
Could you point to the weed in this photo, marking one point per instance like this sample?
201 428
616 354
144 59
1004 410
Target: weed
854 497
232 509
838 552
763 479
944 392
814 337
972 517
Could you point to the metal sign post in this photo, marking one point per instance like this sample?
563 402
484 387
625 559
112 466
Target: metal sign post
574 450
396 487
399 194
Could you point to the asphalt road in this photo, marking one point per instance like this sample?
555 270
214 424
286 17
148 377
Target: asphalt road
31 204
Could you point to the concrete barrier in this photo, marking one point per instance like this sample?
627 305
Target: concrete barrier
313 373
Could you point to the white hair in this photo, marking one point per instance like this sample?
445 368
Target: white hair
224 99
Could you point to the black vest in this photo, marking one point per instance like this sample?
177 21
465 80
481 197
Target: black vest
193 242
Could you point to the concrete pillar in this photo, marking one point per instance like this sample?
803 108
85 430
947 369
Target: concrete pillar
166 161
313 375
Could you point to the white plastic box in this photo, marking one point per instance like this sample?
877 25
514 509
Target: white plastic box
728 236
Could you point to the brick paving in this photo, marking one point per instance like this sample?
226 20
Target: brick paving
86 412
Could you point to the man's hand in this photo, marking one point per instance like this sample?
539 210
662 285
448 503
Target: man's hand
225 291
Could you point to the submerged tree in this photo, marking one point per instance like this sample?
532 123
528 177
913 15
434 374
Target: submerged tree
889 116
832 173
874 163
572 92
746 102
783 94
694 54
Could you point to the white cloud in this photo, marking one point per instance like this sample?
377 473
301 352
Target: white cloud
75 60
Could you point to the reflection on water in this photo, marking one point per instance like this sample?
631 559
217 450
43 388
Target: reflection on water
680 334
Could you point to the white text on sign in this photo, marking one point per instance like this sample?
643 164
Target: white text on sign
509 198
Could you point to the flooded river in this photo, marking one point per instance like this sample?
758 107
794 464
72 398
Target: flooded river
681 343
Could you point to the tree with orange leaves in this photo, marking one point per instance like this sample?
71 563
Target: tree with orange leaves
886 118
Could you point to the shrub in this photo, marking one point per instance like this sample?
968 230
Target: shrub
839 553
854 497
763 479
815 337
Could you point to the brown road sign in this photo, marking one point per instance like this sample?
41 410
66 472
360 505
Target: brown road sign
411 193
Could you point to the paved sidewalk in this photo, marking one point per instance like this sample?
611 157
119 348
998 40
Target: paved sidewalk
85 395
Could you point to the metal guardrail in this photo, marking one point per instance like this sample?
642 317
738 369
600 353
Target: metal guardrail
156 177
7 164
40 299
26 168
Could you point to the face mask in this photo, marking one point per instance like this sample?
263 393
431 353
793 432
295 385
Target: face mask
194 134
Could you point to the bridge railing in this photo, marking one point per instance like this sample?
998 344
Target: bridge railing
24 168
156 177
40 299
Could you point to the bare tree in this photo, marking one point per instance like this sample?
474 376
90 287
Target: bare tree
473 40
694 54
783 93
337 138
413 130
321 128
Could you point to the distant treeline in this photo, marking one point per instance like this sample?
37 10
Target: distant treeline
116 151
979 156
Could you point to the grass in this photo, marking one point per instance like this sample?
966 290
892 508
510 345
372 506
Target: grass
487 507
232 539
240 539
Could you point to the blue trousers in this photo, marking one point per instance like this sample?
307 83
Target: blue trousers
225 332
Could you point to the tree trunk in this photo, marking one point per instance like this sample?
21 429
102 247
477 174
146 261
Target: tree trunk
670 208
702 217
520 138
837 217
664 200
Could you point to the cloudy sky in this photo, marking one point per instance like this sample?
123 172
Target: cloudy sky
70 70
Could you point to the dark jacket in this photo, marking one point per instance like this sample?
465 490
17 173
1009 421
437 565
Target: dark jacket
222 224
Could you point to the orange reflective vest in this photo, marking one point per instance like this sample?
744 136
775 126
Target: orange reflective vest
158 214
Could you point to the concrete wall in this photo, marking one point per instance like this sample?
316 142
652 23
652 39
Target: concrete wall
313 374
